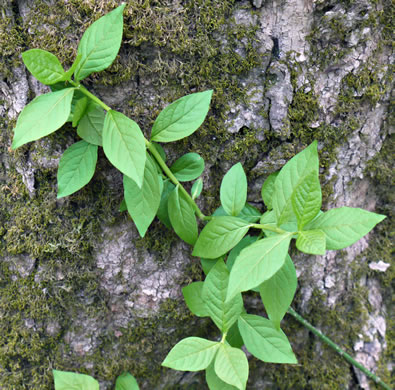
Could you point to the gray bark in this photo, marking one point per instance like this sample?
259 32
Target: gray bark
84 293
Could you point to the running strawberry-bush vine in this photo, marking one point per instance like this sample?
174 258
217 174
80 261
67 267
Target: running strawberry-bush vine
233 260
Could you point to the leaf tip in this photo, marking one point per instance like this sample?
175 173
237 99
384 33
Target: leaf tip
165 363
381 217
15 144
229 295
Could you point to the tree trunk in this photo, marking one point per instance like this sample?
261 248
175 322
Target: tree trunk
80 291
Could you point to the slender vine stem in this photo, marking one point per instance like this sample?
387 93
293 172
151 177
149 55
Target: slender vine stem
90 95
268 227
175 181
334 346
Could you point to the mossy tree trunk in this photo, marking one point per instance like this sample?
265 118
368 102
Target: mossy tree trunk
80 291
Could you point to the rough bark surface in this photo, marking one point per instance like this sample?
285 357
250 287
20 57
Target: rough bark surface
80 291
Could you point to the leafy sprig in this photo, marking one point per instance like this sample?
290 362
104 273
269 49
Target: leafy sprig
65 380
233 260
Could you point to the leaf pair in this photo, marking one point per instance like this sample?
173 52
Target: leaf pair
213 298
297 190
65 380
295 196
96 51
123 144
229 364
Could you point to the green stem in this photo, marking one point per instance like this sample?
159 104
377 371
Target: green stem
175 181
334 346
268 227
90 95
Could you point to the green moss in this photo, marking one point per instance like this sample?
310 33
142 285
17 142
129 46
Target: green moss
11 41
381 248
326 34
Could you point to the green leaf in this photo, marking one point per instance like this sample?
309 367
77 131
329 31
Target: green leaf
345 226
188 167
76 168
100 43
42 116
43 65
265 341
219 236
196 189
126 381
124 145
220 212
278 292
231 366
191 354
257 263
246 241
122 206
90 127
234 337
143 203
163 211
182 117
78 95
311 241
268 190
223 314
79 110
72 381
207 264
214 383
307 199
249 213
67 76
62 85
194 299
182 217
233 191
292 174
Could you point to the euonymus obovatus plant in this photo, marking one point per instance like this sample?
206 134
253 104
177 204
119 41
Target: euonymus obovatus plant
240 248
65 380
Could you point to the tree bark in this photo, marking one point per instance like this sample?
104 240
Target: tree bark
80 291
